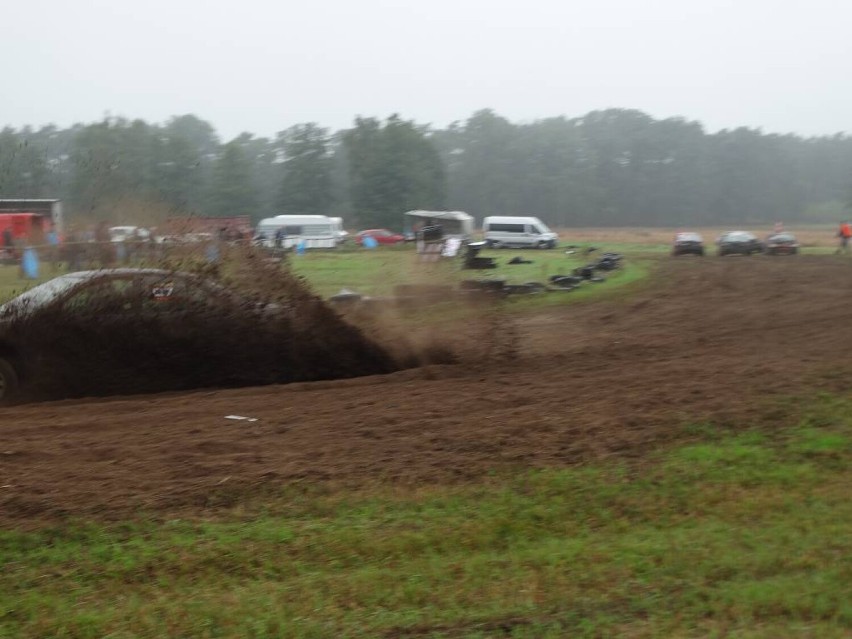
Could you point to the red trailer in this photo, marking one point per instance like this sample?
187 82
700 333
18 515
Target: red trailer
24 226
29 220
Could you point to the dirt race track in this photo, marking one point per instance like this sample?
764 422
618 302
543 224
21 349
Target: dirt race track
708 339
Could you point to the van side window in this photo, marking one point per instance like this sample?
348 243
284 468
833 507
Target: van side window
316 229
535 229
507 228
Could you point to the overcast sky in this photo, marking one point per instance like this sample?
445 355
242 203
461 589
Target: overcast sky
263 65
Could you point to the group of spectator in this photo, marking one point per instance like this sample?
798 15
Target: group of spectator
80 248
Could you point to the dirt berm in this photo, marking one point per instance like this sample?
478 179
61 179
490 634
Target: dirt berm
708 339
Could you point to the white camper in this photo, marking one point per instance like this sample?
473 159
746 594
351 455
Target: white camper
289 231
518 232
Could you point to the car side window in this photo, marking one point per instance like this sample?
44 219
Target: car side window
176 293
162 293
104 295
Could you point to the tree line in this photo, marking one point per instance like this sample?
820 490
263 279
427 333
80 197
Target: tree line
605 168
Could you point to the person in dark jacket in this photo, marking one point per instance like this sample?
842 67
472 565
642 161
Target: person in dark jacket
844 233
9 244
280 237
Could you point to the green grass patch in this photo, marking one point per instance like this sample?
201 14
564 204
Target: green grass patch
377 272
12 284
736 534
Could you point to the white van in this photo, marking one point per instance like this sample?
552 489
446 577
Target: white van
518 232
316 231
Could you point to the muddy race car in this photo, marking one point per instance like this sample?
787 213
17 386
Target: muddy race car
739 243
106 295
782 244
688 244
121 331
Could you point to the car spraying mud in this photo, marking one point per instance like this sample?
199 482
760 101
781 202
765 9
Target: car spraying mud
145 330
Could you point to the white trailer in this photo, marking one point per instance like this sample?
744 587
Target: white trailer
290 231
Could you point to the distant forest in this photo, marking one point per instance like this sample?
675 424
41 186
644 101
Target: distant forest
607 168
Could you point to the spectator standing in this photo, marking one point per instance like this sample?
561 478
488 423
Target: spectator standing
105 248
52 238
844 233
9 243
74 248
280 237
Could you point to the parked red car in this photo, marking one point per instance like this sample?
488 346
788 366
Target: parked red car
382 236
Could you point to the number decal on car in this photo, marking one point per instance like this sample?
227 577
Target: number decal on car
164 291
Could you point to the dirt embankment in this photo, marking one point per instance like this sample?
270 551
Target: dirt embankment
713 339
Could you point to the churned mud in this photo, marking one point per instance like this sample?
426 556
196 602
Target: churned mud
717 340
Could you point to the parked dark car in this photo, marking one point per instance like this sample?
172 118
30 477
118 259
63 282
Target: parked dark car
782 244
739 243
688 243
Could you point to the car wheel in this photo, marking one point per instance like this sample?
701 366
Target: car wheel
496 244
542 245
8 381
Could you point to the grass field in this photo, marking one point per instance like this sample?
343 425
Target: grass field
733 532
377 272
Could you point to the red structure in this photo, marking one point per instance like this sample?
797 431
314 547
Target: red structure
29 219
23 225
